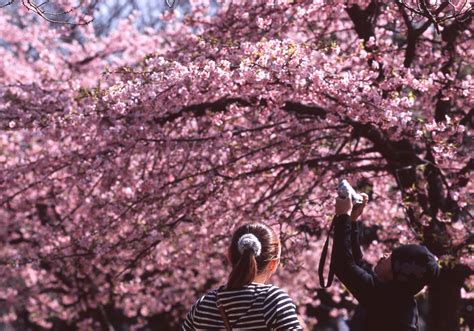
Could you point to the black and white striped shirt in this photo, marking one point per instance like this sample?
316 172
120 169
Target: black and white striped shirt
253 307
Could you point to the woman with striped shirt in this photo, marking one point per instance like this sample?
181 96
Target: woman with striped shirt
246 302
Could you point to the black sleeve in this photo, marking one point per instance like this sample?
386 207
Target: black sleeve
356 251
357 280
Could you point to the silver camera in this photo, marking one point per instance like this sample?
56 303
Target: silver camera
345 189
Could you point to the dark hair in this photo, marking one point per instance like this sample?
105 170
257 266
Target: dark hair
245 265
414 266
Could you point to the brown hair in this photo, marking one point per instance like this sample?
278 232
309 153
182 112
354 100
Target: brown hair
245 265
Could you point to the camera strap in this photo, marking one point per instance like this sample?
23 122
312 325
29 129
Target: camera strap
225 319
322 261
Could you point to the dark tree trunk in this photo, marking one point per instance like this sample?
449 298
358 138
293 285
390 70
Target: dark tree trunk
444 299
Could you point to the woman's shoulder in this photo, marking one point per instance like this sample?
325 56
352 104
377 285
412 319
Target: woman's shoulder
255 288
273 289
209 296
277 294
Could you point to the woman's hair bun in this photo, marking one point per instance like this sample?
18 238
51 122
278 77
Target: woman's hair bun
249 241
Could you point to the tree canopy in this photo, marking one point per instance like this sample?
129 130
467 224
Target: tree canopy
127 157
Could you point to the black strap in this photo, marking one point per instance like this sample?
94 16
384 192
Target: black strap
224 318
322 261
223 314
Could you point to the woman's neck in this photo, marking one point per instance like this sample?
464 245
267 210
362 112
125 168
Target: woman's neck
261 278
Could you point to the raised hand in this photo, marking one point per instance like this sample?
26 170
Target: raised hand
356 212
344 206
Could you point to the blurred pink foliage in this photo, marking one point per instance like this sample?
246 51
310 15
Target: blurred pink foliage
126 160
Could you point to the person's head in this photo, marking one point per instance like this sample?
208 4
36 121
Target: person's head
254 250
411 266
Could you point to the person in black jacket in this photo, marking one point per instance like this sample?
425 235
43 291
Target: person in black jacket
386 293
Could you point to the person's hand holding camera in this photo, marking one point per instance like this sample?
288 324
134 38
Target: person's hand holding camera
344 206
359 209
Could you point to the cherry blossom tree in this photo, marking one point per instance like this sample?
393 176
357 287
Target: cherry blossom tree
128 158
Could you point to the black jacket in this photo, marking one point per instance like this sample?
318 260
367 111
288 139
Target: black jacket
386 305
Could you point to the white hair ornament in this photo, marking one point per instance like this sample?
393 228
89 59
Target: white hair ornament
250 241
